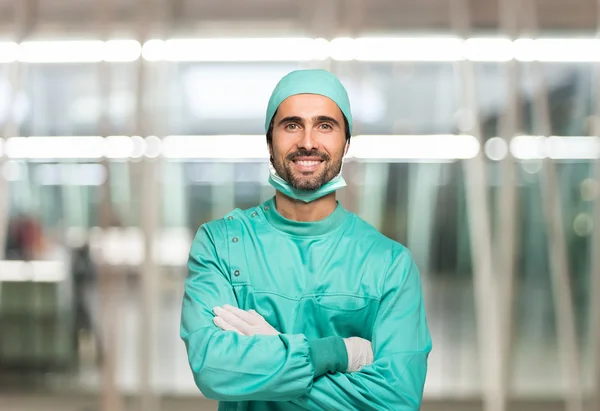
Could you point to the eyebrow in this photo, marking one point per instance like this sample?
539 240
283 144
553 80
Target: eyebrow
317 119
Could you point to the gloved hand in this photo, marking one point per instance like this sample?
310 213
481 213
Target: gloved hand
360 353
229 318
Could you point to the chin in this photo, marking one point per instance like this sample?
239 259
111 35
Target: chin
305 182
307 185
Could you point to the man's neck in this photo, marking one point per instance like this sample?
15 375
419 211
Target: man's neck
300 211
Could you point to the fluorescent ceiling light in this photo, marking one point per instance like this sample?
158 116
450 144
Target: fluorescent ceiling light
70 174
572 148
397 49
55 147
119 246
125 246
34 271
216 147
122 50
9 52
139 147
306 49
528 147
92 51
61 51
556 148
557 50
119 147
153 146
488 49
414 147
496 149
242 49
448 147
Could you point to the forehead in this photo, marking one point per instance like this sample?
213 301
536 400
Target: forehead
308 106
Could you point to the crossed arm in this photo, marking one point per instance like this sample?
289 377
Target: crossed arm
228 366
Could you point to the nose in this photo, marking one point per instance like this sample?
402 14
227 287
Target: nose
308 140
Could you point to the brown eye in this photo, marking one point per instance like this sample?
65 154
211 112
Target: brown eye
291 126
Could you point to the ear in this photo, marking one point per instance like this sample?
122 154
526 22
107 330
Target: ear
347 147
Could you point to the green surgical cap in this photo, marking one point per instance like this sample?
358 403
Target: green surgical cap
315 81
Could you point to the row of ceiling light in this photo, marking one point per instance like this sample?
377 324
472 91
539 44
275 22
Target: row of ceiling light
253 147
305 49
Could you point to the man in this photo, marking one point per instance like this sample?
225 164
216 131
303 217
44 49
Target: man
298 303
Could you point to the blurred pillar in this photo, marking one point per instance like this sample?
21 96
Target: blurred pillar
149 218
222 189
486 296
174 180
322 18
23 13
595 274
374 185
507 201
351 25
557 247
110 399
175 210
424 186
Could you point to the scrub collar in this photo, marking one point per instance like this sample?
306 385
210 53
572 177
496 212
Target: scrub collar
303 228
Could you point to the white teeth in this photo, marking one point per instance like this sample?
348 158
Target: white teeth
308 163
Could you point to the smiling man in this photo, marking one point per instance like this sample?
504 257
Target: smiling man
298 303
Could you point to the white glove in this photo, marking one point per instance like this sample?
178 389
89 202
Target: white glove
360 353
229 318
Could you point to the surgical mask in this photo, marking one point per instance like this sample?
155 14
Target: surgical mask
306 196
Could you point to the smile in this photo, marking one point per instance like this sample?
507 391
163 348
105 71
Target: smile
307 165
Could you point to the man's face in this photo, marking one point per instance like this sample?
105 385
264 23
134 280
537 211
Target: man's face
308 141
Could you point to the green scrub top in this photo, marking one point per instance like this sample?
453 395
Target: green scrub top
312 281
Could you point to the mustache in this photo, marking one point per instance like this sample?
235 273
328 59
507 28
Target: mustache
307 153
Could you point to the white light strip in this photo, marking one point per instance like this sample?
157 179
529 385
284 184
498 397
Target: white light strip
119 146
243 49
397 49
572 148
61 51
32 271
528 147
417 147
306 49
496 149
488 49
9 52
447 147
122 50
125 246
556 148
55 147
557 50
70 174
216 147
79 51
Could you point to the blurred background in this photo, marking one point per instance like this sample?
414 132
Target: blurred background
125 125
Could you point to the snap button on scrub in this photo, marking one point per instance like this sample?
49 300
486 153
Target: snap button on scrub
254 214
236 273
266 208
234 239
230 218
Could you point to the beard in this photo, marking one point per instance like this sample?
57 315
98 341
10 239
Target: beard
308 181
